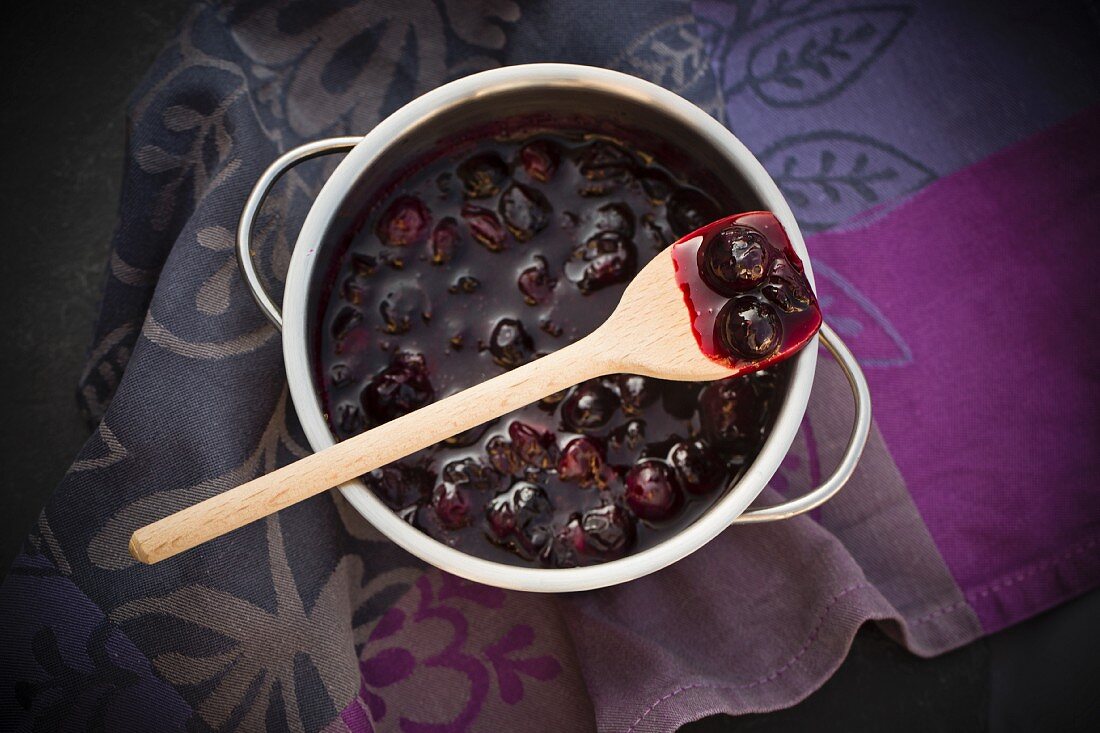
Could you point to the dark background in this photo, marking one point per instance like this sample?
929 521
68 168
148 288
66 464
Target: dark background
66 70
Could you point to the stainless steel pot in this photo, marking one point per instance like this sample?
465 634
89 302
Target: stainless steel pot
473 102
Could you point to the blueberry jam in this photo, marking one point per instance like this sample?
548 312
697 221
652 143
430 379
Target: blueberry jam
494 252
749 300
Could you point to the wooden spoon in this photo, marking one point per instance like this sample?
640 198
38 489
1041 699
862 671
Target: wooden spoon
649 333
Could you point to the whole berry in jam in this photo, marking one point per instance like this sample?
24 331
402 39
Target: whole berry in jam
536 283
697 469
536 447
615 217
398 389
452 505
539 159
786 288
604 160
584 460
405 221
525 211
635 392
503 456
347 319
608 258
482 175
510 344
689 209
470 473
565 547
652 491
484 227
732 411
589 406
519 518
630 435
749 327
608 531
734 260
444 241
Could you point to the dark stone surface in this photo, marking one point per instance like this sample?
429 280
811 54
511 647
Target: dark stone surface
68 68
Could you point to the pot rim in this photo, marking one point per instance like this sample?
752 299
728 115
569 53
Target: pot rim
296 316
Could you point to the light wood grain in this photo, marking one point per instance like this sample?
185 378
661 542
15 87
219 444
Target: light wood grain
649 333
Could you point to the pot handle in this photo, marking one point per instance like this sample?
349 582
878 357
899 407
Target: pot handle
852 452
267 179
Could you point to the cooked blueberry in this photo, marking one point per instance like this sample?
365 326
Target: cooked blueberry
349 418
680 399
399 484
452 505
608 531
657 185
525 210
536 447
339 374
689 209
615 217
363 265
584 460
405 221
652 491
787 288
503 456
604 160
347 319
519 518
468 437
354 290
465 284
589 406
398 389
484 227
696 467
400 306
733 261
536 283
749 327
510 344
606 259
630 434
564 547
731 410
482 175
540 159
444 241
636 392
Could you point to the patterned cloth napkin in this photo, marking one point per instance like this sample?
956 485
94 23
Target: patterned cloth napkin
953 183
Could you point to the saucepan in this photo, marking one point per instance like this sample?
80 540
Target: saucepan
536 90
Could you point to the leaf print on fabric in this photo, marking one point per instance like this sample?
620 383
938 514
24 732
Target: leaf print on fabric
321 66
815 58
674 56
452 634
829 176
110 453
107 548
510 668
103 371
238 662
72 695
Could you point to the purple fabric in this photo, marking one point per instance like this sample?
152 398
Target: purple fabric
954 276
990 275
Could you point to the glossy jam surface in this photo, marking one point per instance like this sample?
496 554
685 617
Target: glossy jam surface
748 297
484 258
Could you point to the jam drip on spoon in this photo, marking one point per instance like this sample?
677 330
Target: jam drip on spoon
744 286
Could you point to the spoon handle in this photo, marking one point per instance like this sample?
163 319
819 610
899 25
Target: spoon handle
384 444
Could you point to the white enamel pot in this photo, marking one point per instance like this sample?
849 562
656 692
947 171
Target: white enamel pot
373 160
